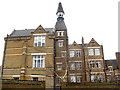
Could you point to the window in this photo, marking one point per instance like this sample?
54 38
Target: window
92 64
97 51
100 78
110 68
71 53
78 78
39 41
72 66
93 77
78 64
60 44
35 78
16 78
63 54
78 53
98 64
60 33
73 78
39 61
108 78
59 66
91 52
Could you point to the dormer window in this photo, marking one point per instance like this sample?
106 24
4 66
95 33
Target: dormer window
39 40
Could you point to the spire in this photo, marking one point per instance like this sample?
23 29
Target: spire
60 24
60 8
60 12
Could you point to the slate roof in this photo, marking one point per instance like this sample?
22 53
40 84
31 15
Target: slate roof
112 62
27 32
60 8
79 45
60 25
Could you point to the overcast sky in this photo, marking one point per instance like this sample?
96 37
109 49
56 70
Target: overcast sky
96 19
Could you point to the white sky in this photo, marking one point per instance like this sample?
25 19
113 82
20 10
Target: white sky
96 19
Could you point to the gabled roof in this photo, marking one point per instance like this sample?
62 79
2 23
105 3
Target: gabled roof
112 62
27 32
60 8
93 43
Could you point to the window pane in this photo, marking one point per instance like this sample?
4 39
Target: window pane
39 44
98 64
78 78
71 53
73 78
97 51
92 64
72 66
39 41
91 52
41 63
60 44
63 54
78 65
100 78
93 78
59 66
110 69
35 78
16 78
61 33
58 33
78 53
38 61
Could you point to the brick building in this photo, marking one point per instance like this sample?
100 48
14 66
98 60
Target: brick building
44 54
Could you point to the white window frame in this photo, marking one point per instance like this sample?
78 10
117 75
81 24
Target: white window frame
91 52
98 64
110 69
60 44
97 51
63 54
100 78
79 78
59 66
79 65
39 61
72 53
60 33
39 40
92 64
72 78
78 53
93 78
72 65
